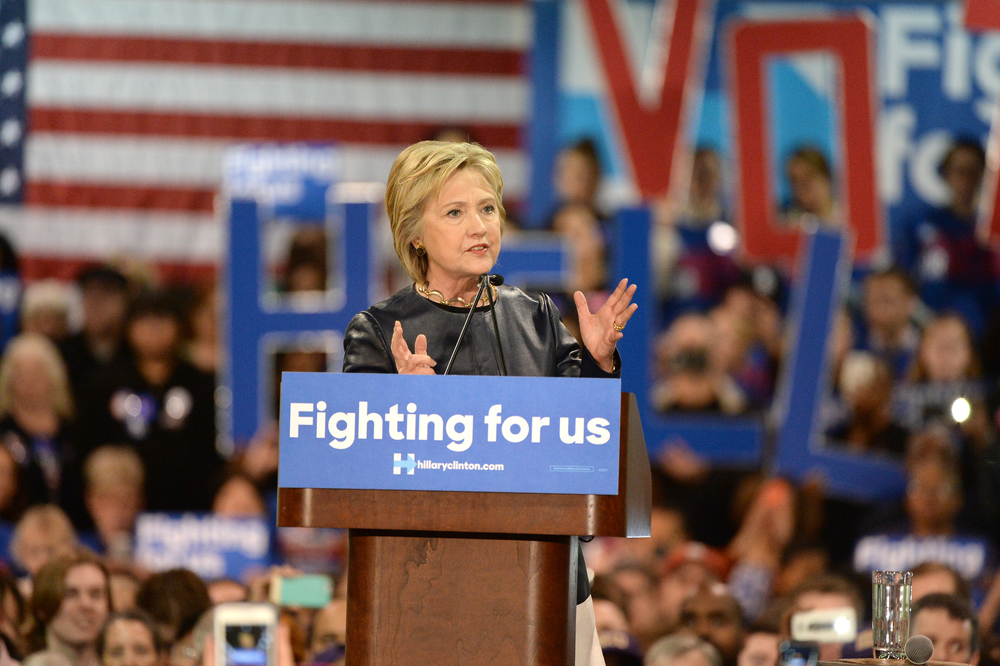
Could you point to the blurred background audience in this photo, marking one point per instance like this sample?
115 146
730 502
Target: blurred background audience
108 423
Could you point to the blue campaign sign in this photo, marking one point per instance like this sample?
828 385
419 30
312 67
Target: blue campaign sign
292 179
211 546
485 434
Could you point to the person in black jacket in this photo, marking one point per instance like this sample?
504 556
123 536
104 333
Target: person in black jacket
446 213
162 406
100 342
36 411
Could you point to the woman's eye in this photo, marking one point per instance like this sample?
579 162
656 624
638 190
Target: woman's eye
454 213
489 210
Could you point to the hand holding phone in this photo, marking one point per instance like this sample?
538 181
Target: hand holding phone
245 634
798 653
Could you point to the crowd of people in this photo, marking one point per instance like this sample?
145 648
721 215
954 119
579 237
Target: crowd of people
914 379
107 410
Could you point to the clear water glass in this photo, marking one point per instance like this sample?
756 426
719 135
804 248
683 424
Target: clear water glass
891 612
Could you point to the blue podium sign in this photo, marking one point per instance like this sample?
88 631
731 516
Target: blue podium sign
486 434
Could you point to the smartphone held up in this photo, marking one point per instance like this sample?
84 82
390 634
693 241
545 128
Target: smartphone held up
245 634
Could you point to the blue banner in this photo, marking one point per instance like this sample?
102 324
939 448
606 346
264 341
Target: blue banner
970 556
485 434
211 546
293 179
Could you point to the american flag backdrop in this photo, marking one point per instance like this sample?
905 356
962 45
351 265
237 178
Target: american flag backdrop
114 114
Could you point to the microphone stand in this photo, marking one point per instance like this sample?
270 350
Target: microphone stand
497 280
484 280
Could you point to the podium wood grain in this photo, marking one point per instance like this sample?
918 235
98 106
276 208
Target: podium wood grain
408 607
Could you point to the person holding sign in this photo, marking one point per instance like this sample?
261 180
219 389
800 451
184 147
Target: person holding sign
446 214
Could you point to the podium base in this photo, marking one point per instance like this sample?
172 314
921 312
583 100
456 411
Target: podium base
453 598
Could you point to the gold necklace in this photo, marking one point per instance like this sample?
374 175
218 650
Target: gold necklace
458 301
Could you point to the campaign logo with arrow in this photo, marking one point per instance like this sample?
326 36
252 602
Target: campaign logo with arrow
398 464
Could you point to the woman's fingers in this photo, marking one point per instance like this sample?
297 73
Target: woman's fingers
619 300
627 296
623 318
407 363
581 303
617 294
419 360
421 364
624 300
420 345
399 347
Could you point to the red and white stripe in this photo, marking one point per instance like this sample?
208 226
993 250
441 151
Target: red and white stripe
133 102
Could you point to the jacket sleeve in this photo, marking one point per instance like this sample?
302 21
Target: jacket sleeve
365 348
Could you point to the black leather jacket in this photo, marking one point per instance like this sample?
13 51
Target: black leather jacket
535 342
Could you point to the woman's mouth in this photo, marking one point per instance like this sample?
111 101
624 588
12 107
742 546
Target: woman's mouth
479 250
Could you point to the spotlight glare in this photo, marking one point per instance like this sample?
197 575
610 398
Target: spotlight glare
961 410
722 237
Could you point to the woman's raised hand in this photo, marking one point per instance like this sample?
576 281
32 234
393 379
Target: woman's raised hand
416 362
602 330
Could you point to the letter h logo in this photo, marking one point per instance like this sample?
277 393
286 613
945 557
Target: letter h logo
249 323
398 464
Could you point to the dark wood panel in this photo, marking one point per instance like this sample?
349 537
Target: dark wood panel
420 598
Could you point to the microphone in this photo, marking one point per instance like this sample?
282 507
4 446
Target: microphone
496 280
484 280
918 649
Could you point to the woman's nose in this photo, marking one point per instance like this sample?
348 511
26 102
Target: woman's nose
477 225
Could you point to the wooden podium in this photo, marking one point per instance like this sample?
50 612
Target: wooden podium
471 577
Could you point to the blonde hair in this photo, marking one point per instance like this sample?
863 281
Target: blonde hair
51 295
113 466
672 646
417 176
50 521
27 344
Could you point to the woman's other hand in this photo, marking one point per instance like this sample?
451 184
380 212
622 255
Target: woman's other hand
602 330
416 362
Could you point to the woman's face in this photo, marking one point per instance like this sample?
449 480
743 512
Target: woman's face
810 188
129 643
38 546
578 225
31 380
154 335
461 229
931 496
576 177
238 498
945 352
964 175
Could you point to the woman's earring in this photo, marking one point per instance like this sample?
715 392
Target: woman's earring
419 247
